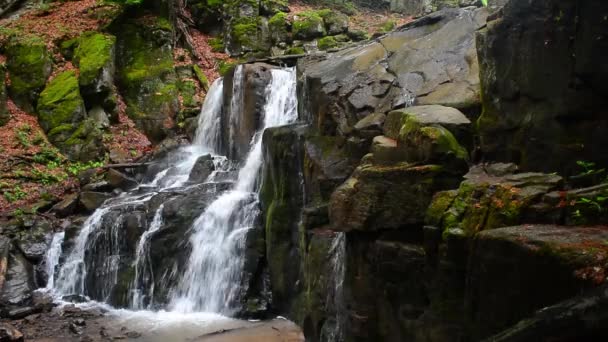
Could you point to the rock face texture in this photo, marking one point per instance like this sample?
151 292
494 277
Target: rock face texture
530 111
431 61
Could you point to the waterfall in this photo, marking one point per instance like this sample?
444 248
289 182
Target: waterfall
212 277
51 258
73 272
336 293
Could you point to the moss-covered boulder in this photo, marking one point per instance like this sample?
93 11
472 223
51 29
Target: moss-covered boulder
327 43
146 75
335 22
271 7
62 114
489 199
378 197
308 25
29 65
94 57
282 199
279 28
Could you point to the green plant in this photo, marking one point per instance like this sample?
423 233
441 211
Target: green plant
388 26
77 167
588 167
47 178
484 2
14 195
22 135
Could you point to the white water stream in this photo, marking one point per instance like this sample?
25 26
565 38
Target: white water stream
213 272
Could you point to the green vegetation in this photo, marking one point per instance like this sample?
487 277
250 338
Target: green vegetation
93 54
14 194
60 102
217 44
388 26
327 43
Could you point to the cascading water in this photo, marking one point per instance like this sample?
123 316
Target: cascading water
52 258
212 277
71 278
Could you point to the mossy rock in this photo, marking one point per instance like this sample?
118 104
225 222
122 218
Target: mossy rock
62 114
60 102
271 7
327 43
94 57
295 50
147 77
308 25
335 22
204 81
279 28
245 34
29 65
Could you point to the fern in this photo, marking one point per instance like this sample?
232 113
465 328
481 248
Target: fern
484 2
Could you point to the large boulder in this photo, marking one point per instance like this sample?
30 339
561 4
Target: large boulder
381 197
543 90
244 100
491 196
29 65
62 115
147 79
518 270
94 57
430 61
282 200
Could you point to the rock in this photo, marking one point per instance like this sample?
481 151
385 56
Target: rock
370 126
23 312
308 25
94 57
118 179
514 130
335 22
450 118
29 65
417 64
531 266
328 165
270 7
8 333
19 281
101 186
202 169
99 116
145 72
486 201
238 130
279 28
67 206
245 30
385 150
91 200
34 243
578 318
75 329
281 200
62 115
379 197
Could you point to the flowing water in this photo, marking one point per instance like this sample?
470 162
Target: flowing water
211 279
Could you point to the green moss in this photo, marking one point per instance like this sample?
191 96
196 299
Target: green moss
388 26
187 90
295 50
245 32
309 24
327 43
29 65
217 44
94 52
440 204
60 102
226 67
444 141
278 20
201 77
